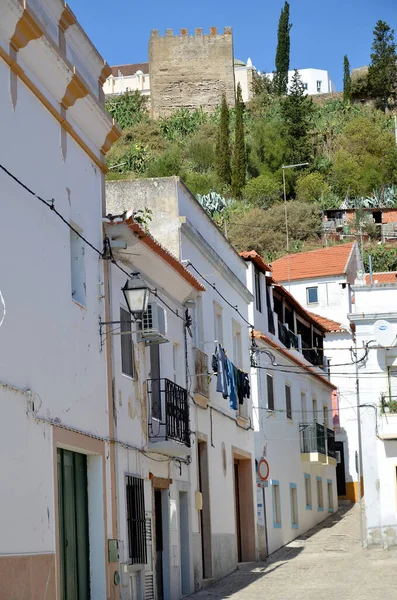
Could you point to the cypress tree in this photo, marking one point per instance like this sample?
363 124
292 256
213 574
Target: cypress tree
297 112
347 82
382 72
283 51
223 167
238 170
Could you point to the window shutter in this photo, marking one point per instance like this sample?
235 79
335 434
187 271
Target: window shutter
149 570
270 392
127 346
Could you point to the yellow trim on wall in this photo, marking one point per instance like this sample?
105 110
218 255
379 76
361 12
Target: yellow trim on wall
26 30
67 19
17 69
75 90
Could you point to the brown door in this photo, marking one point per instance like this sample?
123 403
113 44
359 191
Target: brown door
237 510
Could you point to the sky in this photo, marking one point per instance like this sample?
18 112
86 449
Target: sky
323 31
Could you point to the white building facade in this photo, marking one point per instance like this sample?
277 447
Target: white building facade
221 498
322 280
375 319
56 463
150 368
315 81
292 414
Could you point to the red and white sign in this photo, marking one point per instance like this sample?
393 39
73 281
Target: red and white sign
263 469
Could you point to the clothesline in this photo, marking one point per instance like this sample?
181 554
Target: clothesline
231 382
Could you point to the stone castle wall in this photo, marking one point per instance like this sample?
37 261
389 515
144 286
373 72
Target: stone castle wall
190 71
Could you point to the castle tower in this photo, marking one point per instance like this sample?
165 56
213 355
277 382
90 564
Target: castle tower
190 71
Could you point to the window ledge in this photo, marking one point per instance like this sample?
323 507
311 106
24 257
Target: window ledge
200 400
83 306
242 422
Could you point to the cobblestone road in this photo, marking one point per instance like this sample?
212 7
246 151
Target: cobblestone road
325 563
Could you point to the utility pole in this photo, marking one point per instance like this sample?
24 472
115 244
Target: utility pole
285 206
360 446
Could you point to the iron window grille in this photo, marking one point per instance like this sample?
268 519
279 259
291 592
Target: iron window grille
164 392
136 520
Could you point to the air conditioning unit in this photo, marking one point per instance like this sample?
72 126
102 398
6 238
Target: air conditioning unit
153 327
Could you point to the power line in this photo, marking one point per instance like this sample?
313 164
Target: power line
104 254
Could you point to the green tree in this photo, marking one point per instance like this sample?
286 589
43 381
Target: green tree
297 111
239 166
283 51
347 82
382 72
128 109
263 190
311 187
264 230
383 258
222 163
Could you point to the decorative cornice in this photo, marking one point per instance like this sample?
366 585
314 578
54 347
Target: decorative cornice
26 30
75 90
113 135
16 68
105 73
67 19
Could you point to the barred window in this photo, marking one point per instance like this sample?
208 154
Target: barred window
136 521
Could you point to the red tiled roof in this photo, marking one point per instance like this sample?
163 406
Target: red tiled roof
169 258
390 277
256 259
261 336
130 69
324 262
327 324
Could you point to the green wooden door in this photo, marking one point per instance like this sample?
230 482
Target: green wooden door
73 525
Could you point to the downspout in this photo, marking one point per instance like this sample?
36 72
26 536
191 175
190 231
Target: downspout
112 567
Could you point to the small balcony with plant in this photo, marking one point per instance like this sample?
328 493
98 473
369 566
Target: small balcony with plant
388 416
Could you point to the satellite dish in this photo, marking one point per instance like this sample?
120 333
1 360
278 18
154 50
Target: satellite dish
385 333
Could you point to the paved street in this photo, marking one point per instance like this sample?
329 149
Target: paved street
325 563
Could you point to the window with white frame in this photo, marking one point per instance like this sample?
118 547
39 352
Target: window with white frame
288 404
258 290
77 263
218 323
276 504
320 500
314 404
270 391
303 407
127 345
237 347
175 361
325 411
305 86
330 496
312 295
294 504
308 491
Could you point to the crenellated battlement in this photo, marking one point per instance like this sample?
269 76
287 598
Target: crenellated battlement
198 33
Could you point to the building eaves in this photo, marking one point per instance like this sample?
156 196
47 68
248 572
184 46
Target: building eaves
328 325
146 238
251 255
308 370
298 307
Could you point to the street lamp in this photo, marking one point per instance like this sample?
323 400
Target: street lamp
136 294
285 195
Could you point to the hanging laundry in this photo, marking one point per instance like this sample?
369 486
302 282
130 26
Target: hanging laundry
232 385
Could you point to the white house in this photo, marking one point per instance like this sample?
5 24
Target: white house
292 413
374 317
150 366
222 471
131 77
56 497
321 280
315 81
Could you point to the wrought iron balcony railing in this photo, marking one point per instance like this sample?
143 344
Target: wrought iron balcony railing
169 411
315 437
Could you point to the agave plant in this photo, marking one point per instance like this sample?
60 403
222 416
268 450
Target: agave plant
212 202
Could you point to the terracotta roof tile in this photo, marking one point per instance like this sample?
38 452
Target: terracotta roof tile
390 277
261 336
327 324
130 69
324 262
298 307
256 259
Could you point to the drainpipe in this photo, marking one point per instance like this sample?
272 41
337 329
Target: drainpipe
112 567
371 277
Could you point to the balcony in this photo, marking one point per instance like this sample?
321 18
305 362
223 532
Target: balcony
388 417
169 431
283 335
317 444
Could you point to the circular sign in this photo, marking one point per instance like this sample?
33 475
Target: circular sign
263 469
